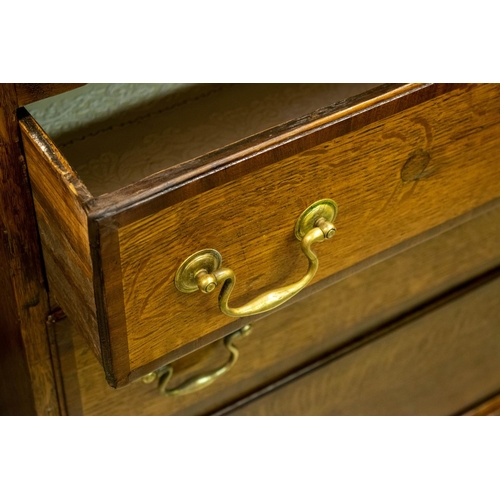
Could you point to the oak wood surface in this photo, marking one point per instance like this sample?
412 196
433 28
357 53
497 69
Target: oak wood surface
62 221
26 375
296 335
398 163
67 262
31 92
435 365
229 163
393 180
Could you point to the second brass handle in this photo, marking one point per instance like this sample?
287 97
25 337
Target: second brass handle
202 271
198 382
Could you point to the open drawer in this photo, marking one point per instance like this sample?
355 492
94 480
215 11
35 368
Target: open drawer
120 212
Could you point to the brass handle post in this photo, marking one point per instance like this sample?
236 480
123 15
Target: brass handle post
198 382
202 271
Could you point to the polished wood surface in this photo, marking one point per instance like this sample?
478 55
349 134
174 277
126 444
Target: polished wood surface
31 92
371 174
26 376
62 221
296 335
433 365
396 169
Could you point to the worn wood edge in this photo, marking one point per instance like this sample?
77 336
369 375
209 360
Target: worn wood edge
51 167
490 406
46 147
31 92
312 289
180 175
24 260
405 318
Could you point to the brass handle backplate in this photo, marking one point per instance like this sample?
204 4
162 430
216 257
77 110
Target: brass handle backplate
198 382
202 270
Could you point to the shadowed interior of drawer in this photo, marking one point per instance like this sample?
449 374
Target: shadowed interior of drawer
115 135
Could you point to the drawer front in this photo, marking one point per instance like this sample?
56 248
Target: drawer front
296 335
405 167
436 365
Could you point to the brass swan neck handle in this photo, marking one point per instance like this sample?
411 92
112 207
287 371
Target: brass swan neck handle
202 271
198 382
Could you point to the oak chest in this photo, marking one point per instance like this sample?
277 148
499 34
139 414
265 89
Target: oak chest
361 223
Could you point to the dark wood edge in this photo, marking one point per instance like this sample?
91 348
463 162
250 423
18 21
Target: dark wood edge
107 271
315 288
31 92
365 339
47 148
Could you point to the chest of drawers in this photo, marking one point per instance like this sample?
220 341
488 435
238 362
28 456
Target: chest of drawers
227 171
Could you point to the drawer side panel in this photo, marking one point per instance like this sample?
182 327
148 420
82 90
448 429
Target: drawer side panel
63 225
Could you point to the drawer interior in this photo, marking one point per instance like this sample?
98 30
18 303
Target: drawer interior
116 134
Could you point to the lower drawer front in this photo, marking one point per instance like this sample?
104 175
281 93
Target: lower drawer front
296 335
436 365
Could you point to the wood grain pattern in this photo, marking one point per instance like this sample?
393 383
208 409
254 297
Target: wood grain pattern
290 338
31 92
250 220
62 221
436 365
229 163
26 376
403 161
69 270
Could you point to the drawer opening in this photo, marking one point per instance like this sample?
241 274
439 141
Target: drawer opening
113 135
